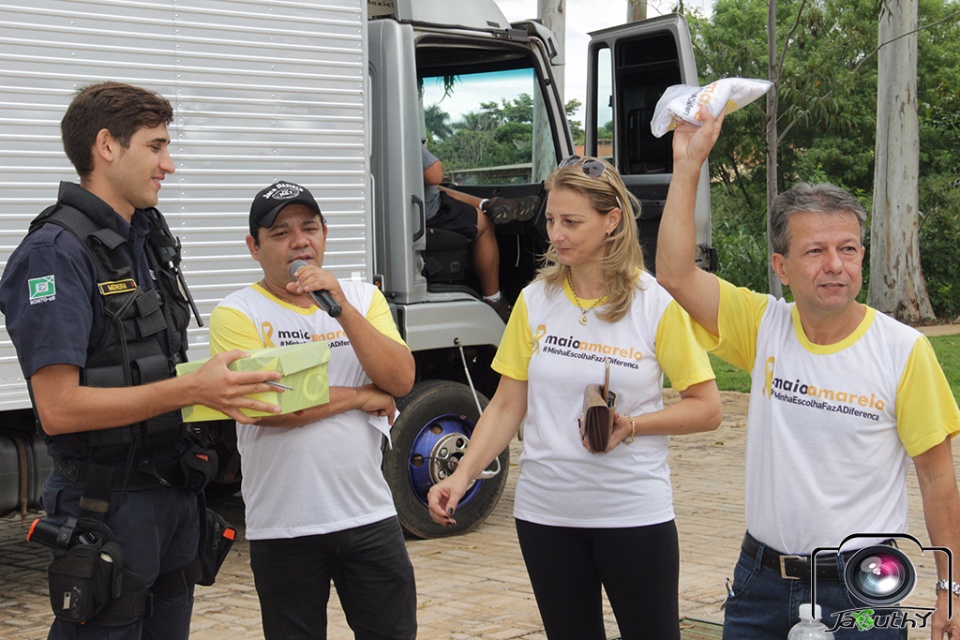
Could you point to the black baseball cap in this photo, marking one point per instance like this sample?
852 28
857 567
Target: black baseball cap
268 203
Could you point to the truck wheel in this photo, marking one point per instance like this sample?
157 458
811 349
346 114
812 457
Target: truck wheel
429 438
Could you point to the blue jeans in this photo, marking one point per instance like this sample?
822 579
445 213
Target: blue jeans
369 566
764 605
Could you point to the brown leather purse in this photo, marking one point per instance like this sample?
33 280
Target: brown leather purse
599 409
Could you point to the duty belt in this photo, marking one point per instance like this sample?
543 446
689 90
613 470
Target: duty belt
132 480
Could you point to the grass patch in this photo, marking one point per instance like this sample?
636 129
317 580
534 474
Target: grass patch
729 378
947 349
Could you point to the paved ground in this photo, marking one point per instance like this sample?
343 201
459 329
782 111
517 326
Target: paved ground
474 586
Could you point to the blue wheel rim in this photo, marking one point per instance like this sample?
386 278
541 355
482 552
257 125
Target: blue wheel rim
450 432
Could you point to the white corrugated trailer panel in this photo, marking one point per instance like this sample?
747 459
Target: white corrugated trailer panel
261 91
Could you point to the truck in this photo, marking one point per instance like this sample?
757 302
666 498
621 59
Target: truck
336 96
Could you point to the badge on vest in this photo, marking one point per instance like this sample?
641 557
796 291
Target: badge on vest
117 286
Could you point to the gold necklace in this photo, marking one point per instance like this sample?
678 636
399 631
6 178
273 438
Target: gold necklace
583 312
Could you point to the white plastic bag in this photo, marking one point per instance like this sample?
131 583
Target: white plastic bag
683 101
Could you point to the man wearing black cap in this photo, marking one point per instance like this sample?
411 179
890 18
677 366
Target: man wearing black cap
317 506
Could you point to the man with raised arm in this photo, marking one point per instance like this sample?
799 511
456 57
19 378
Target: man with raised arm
842 398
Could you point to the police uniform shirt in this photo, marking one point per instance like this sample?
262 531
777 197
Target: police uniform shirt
49 292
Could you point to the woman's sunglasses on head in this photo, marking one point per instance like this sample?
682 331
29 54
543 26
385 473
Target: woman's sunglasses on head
592 167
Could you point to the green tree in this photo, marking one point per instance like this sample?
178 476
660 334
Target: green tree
576 127
437 122
827 114
495 135
825 97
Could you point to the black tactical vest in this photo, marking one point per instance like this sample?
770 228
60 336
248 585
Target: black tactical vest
141 325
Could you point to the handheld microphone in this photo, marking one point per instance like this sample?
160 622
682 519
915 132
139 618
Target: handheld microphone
321 297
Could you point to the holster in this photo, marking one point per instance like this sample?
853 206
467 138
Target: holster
195 468
88 581
216 538
199 468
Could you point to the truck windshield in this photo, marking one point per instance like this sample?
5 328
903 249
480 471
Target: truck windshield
483 125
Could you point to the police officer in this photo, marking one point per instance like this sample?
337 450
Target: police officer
96 307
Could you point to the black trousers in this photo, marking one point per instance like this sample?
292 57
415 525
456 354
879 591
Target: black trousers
638 567
369 566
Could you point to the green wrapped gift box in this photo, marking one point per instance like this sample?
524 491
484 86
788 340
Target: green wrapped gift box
303 367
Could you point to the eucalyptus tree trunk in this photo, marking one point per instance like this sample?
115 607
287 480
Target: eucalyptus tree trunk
776 289
636 10
896 280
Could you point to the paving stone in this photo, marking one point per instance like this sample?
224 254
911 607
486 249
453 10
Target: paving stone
475 587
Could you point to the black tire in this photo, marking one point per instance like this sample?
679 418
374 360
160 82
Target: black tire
434 414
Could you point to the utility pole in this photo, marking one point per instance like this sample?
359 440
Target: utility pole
773 280
553 15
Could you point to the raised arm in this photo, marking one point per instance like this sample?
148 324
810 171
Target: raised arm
696 290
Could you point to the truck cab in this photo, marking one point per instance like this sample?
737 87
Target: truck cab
340 97
438 63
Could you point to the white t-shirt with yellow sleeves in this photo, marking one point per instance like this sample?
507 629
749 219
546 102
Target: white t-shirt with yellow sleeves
324 476
561 483
830 427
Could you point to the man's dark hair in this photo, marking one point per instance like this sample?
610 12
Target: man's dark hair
121 109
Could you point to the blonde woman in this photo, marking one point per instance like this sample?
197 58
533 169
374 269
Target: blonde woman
588 519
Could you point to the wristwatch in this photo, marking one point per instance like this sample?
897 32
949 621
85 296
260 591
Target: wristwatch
946 585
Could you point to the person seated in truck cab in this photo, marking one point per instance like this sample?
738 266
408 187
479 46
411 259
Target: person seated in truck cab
474 218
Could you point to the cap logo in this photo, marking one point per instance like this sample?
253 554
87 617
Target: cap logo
283 191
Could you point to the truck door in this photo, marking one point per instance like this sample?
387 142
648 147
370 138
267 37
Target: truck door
628 69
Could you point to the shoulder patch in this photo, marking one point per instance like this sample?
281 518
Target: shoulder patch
42 289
